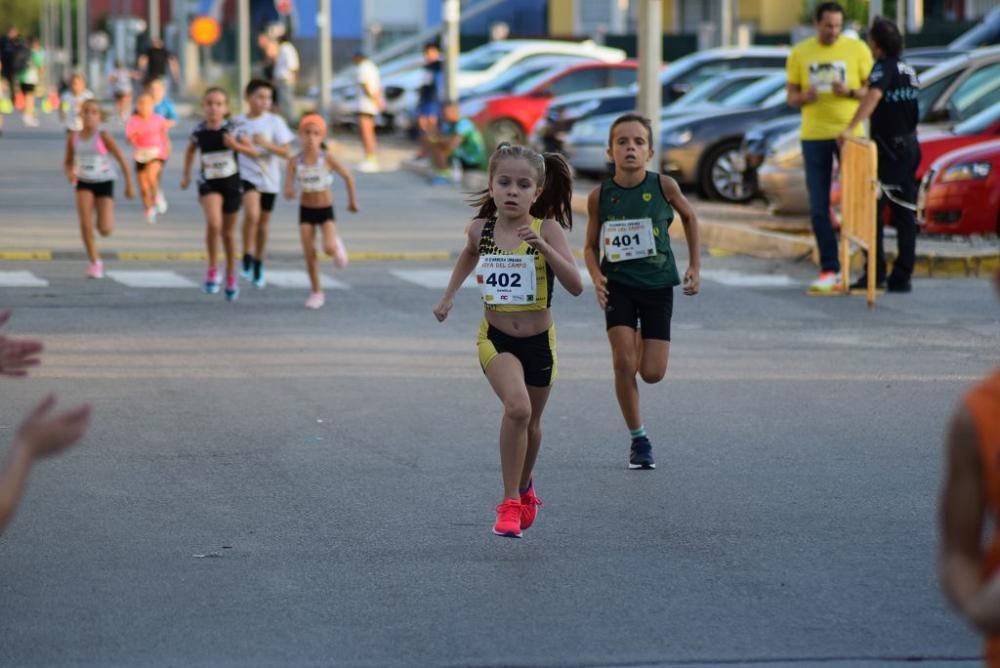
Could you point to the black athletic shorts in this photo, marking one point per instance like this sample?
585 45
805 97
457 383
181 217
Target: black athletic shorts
537 354
628 306
27 88
266 199
100 188
139 166
309 215
229 188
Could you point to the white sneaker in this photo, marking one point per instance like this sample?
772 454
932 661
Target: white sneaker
827 283
151 215
369 166
161 202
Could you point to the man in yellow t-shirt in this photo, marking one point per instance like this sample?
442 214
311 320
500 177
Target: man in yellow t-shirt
827 76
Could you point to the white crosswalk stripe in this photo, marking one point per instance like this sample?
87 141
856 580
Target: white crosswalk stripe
150 279
430 278
741 280
283 278
21 279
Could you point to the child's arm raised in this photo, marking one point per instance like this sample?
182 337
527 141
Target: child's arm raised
290 179
337 166
466 262
70 158
592 247
109 141
188 162
553 245
240 145
692 277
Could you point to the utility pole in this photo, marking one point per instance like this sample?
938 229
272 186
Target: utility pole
82 28
451 13
323 24
154 19
243 34
67 36
650 58
726 19
914 15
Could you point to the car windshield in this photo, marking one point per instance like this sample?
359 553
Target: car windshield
540 77
978 123
509 80
484 57
757 93
714 91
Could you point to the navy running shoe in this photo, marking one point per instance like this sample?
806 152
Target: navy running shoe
641 455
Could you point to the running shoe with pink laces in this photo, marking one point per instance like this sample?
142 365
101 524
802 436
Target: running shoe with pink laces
212 281
95 270
340 254
316 300
232 288
529 506
508 522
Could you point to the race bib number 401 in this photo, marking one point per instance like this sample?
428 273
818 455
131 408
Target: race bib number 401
628 239
506 279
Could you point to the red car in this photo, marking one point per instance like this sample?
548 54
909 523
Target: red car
513 117
976 129
960 193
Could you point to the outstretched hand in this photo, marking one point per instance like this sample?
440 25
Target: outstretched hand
17 355
45 434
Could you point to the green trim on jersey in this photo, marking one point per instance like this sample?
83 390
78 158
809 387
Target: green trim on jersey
645 200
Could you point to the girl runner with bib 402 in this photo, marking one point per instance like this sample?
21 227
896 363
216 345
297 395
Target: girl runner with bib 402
517 246
627 220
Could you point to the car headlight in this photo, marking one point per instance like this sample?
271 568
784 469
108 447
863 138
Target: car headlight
678 137
471 108
966 171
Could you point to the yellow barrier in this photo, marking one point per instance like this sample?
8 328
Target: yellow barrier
859 194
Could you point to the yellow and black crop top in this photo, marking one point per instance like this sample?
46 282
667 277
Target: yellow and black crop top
543 272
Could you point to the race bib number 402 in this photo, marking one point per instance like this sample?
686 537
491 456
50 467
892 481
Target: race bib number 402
506 279
628 239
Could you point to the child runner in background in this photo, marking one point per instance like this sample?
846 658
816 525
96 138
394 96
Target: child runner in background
161 103
88 166
147 132
261 177
120 82
627 219
311 171
29 79
518 247
72 101
218 185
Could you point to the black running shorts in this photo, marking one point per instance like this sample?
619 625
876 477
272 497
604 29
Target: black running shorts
309 215
537 354
100 188
229 188
648 310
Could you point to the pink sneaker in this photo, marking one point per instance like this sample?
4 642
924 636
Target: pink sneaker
316 300
340 255
95 270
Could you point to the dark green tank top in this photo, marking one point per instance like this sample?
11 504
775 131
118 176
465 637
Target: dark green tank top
645 200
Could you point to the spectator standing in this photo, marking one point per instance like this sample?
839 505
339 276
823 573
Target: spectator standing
269 53
120 81
826 78
370 104
156 62
458 144
286 74
891 102
29 77
12 52
428 104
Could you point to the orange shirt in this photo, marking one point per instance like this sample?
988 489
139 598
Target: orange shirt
983 403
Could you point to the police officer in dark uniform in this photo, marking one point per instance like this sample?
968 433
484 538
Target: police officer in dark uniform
891 102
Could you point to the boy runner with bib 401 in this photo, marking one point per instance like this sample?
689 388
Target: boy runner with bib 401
628 255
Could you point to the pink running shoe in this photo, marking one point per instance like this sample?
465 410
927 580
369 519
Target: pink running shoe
316 300
212 281
95 270
340 255
529 506
508 522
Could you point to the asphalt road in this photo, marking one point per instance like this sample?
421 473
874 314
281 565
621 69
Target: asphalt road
264 485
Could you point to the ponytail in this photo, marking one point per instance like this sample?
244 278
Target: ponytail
556 199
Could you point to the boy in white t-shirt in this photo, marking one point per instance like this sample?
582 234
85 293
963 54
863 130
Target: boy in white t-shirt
370 104
72 100
261 176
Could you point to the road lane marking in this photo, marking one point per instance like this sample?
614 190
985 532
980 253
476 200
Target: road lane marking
430 278
291 278
150 279
741 280
21 279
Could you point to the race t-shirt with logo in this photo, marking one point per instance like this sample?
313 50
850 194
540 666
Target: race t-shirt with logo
896 114
634 239
148 137
217 161
817 65
264 171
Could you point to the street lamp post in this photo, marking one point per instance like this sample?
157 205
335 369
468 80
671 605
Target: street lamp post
451 12
323 24
81 35
243 44
650 58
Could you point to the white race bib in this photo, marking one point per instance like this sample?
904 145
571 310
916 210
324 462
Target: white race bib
147 154
218 164
506 280
628 239
93 168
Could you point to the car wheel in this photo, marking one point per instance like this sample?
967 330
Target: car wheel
722 174
504 130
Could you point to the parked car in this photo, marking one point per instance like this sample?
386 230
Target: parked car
984 33
960 194
512 117
564 111
483 64
960 87
758 143
982 127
